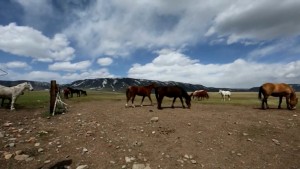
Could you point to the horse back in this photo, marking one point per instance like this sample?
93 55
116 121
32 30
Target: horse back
279 89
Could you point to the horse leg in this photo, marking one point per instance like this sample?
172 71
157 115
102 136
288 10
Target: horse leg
159 101
150 100
288 102
280 100
142 101
132 100
182 102
229 97
12 103
173 102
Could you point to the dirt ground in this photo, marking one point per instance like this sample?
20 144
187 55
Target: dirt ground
106 135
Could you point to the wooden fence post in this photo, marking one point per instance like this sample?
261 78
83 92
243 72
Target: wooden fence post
52 95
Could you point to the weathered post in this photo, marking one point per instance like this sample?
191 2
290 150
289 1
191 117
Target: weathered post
52 95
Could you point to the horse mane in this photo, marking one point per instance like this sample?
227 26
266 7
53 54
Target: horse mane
19 87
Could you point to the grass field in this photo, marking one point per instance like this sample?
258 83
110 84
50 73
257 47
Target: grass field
40 99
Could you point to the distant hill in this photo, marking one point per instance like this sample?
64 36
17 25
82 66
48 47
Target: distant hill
120 85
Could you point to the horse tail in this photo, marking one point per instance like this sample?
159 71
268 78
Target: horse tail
260 93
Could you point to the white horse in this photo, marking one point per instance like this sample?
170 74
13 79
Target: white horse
224 94
12 93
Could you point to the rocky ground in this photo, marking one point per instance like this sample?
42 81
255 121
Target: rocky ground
105 134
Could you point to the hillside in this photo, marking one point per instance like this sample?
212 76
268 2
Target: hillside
120 84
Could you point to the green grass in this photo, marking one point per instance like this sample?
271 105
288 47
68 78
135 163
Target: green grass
41 99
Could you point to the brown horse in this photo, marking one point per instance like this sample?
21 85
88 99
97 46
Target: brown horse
172 91
200 94
66 93
278 90
144 91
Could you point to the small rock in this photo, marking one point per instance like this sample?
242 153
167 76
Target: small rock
37 144
40 150
47 161
276 141
1 135
186 156
8 156
29 159
7 124
127 159
245 134
193 161
11 145
84 150
138 166
21 157
82 167
18 152
154 119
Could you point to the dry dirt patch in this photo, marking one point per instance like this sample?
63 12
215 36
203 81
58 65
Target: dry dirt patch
105 134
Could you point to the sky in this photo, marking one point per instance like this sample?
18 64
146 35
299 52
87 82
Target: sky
228 43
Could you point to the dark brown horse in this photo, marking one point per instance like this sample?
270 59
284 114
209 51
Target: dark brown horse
66 93
200 94
172 91
278 90
144 91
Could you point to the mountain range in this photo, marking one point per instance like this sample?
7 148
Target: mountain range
120 85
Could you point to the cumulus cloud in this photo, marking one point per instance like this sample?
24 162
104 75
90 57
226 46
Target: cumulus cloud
105 61
257 21
117 28
28 42
238 74
17 64
68 66
90 74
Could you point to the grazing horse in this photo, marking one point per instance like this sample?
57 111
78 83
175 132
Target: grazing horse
200 94
74 91
144 91
278 90
66 93
172 91
224 94
12 93
83 92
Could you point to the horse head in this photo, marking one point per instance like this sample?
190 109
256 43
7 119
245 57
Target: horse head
188 101
29 86
293 100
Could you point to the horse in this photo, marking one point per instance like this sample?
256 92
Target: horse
172 91
224 94
12 93
144 91
74 91
66 93
278 90
200 94
83 92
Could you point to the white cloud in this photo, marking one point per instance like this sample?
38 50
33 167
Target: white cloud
238 74
17 64
117 28
68 66
257 21
28 42
90 74
105 61
62 78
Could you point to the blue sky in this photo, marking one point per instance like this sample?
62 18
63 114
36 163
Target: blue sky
229 43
